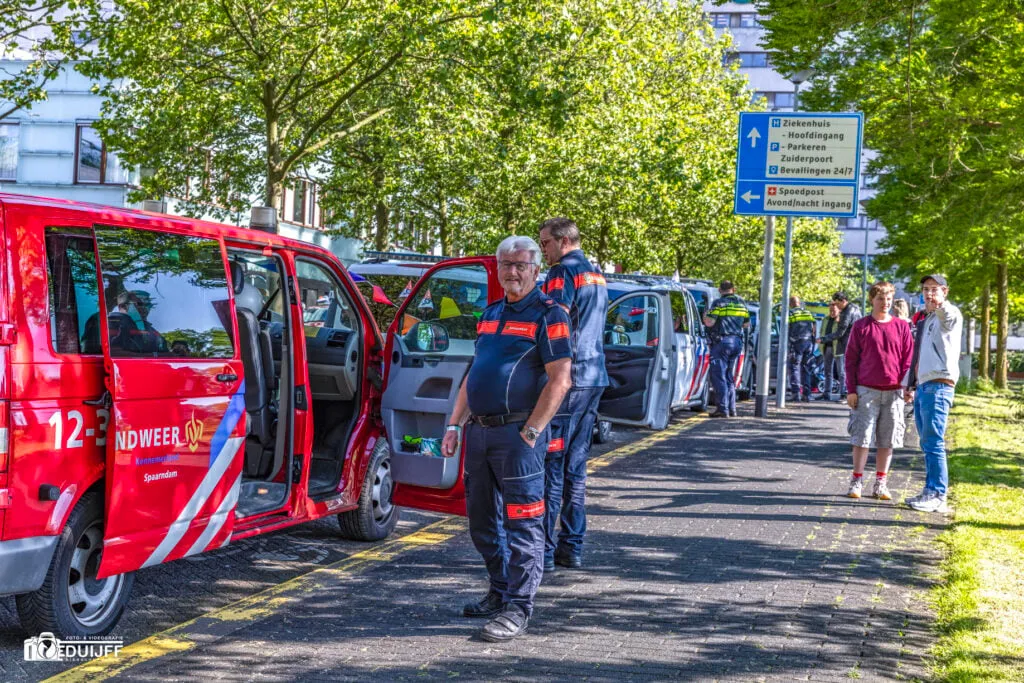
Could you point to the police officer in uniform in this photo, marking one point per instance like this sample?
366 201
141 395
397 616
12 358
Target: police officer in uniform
728 319
802 329
580 290
520 374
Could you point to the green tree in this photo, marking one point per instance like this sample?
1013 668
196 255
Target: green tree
940 84
221 101
43 35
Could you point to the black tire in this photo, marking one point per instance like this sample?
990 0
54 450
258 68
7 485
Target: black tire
603 433
71 601
376 516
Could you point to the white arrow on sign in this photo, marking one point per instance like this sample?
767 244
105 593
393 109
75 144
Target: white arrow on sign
753 135
747 196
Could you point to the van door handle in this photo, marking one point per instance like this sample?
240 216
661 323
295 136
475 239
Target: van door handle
103 401
433 360
227 377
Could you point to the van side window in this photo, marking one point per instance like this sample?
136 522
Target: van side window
166 295
73 285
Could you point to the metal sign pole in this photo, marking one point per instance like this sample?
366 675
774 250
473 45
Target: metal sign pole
787 269
764 317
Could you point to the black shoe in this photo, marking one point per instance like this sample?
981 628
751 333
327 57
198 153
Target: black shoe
732 413
821 397
805 399
549 565
570 560
719 413
509 624
488 607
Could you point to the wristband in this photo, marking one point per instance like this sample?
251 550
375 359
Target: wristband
453 428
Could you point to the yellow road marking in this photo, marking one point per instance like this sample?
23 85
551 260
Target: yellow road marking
254 608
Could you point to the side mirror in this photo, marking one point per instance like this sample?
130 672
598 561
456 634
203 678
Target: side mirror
428 336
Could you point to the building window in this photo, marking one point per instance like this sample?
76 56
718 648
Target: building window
94 163
748 20
720 20
783 100
754 60
8 151
299 202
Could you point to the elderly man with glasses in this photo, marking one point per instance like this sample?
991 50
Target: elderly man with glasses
521 371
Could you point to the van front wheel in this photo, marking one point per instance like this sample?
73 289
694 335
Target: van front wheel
376 516
72 601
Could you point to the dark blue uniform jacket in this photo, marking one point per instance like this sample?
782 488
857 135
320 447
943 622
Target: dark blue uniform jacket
514 343
580 288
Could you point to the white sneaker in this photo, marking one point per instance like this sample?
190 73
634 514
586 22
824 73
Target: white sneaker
881 490
856 487
918 498
931 502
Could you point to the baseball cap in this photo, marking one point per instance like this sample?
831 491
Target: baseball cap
839 296
938 278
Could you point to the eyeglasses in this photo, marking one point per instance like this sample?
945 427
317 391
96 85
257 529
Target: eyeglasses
518 266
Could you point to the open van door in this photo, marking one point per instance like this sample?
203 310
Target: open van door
175 383
429 348
638 342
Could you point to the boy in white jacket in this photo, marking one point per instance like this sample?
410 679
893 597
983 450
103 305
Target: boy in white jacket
934 372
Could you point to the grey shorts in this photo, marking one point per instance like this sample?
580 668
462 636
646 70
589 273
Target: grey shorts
878 421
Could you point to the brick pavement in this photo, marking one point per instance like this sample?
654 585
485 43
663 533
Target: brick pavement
724 553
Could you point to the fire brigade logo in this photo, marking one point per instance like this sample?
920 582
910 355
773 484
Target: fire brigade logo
193 432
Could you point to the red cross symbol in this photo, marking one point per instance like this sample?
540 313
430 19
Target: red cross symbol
771 191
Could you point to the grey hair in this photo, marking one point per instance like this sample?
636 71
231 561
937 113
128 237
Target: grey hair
516 243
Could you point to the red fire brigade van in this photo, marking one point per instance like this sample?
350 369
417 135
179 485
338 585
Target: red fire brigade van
168 386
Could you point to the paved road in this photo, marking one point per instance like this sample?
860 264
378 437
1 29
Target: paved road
719 550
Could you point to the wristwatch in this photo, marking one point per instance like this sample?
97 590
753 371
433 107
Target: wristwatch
531 433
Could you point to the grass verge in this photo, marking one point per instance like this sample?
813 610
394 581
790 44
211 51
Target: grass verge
980 602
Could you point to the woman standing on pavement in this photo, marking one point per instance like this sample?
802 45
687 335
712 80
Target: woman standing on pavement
878 357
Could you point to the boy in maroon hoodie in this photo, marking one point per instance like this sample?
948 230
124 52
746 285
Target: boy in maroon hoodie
878 357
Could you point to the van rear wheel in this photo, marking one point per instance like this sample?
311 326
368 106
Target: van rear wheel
72 601
376 516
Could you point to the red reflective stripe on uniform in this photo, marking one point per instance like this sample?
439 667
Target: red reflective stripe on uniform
584 279
556 445
554 283
487 327
558 331
520 329
524 510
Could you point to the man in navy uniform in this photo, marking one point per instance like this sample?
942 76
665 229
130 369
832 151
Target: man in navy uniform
728 319
580 290
802 332
521 371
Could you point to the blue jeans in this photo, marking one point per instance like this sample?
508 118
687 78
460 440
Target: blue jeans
932 402
800 353
725 351
504 480
565 468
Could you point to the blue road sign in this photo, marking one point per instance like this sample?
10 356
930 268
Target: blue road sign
798 164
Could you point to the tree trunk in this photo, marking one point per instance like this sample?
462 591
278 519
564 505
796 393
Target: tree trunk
602 244
273 193
1002 320
380 212
679 262
444 234
985 350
